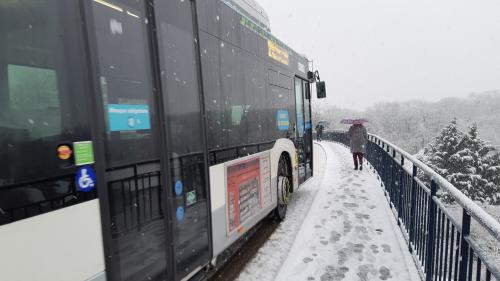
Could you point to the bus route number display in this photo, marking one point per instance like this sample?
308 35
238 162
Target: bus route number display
248 190
277 53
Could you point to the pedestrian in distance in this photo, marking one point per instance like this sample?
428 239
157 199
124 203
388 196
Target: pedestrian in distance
358 137
319 132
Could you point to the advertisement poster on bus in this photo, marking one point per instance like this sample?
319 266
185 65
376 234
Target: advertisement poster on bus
248 190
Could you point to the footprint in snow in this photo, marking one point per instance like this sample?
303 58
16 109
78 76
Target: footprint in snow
365 270
335 274
343 254
386 248
361 229
385 273
334 236
362 216
358 248
347 227
307 260
351 205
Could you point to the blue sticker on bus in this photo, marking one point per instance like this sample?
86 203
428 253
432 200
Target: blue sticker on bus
85 179
128 117
179 214
178 188
283 120
308 125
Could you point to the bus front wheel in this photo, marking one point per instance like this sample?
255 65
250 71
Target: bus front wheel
284 188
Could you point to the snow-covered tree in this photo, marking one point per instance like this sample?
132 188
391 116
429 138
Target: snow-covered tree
471 164
438 155
492 174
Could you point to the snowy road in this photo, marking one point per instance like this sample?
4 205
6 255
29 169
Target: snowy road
338 227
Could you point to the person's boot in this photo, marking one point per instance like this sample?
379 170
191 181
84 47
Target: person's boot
356 168
361 168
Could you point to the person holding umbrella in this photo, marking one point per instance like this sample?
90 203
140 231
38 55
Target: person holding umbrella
358 137
319 132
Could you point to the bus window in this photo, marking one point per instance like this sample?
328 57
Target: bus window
42 106
299 103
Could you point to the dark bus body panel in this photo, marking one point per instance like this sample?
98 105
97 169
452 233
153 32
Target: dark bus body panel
209 88
244 86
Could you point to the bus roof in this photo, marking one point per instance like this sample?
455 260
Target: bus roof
251 10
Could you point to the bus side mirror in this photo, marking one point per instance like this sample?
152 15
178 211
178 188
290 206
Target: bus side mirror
321 90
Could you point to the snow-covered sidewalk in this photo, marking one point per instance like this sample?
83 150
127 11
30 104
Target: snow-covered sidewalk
338 227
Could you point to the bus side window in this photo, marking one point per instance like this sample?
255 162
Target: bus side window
42 105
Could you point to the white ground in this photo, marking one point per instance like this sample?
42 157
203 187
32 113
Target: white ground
338 227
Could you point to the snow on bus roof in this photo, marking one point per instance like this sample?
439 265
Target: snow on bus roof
262 28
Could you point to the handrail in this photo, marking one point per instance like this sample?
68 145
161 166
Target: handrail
485 219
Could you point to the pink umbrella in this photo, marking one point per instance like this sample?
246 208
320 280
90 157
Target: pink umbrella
353 121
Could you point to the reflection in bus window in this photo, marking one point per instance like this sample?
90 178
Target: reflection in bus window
42 105
33 93
125 82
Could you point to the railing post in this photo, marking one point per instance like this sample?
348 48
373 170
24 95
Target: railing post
388 170
401 191
413 200
431 233
394 191
464 246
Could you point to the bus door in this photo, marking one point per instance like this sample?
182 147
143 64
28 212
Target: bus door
308 144
154 145
304 128
135 183
187 148
300 128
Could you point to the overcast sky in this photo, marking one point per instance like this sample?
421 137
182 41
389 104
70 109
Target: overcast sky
370 51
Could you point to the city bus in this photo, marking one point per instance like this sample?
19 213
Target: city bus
141 139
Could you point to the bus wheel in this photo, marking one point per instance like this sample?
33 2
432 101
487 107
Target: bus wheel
284 189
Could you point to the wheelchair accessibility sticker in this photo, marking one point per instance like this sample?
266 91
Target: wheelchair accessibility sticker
85 179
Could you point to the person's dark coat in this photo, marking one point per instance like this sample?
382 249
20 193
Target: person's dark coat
358 138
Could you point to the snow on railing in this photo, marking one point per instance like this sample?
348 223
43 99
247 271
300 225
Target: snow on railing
485 219
439 241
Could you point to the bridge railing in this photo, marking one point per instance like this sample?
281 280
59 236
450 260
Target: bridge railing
439 241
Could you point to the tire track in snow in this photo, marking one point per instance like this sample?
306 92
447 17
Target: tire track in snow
267 262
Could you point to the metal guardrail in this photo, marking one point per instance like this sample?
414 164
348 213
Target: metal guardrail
439 242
